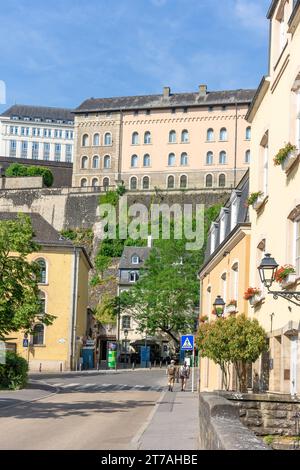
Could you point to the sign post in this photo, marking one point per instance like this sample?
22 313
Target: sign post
187 344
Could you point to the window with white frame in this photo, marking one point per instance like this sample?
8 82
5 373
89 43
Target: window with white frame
184 159
95 182
96 161
248 133
133 183
222 180
146 182
134 161
183 182
213 239
83 183
222 158
46 151
223 134
107 139
42 275
135 138
24 149
223 220
35 150
133 276
69 153
171 182
209 158
57 152
209 181
126 322
85 140
13 148
210 135
171 159
38 335
172 137
146 160
247 156
84 163
234 211
96 140
147 138
135 259
185 136
107 161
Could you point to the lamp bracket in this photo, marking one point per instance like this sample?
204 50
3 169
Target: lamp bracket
291 296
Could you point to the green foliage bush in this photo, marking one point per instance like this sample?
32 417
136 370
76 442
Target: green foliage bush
18 170
13 374
110 197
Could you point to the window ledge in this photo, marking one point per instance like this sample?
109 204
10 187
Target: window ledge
280 56
37 345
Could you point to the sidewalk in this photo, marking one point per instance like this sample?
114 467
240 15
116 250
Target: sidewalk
33 392
174 424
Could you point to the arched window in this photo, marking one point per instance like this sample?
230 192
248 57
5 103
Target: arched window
95 182
38 335
42 275
107 161
248 133
209 158
171 159
171 182
147 160
223 134
185 136
184 159
42 297
183 181
134 161
222 158
147 138
83 183
133 183
106 183
222 180
210 135
96 140
135 138
84 163
247 156
85 140
107 139
208 181
146 182
96 162
172 137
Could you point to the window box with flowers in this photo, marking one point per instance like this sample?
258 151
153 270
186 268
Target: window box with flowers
286 157
203 319
231 307
256 200
286 276
254 295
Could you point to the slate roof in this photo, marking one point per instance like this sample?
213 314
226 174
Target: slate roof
128 252
212 98
40 112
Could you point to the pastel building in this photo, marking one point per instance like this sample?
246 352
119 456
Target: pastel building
37 133
275 215
169 141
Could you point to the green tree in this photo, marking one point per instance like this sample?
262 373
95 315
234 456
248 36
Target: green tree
106 310
18 170
19 294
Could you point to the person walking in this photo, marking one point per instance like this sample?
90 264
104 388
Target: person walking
171 372
184 375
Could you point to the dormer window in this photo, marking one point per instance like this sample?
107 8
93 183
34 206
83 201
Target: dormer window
213 238
223 222
234 210
135 259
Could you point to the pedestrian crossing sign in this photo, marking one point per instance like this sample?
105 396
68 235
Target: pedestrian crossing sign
187 343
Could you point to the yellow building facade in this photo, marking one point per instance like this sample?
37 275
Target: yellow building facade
225 273
63 286
275 119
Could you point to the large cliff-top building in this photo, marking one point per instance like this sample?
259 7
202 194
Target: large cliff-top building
168 141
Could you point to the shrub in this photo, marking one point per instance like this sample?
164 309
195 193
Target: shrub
121 190
283 153
17 170
110 197
13 374
253 198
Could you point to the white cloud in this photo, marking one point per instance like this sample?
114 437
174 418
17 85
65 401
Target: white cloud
251 14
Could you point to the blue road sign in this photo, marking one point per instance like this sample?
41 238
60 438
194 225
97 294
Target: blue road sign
187 343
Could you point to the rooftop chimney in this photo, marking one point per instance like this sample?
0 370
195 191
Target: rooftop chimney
202 90
166 92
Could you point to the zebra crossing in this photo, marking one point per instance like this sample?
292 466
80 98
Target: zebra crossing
92 387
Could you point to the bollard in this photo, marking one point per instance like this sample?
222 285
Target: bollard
154 365
150 365
40 369
160 364
60 367
133 366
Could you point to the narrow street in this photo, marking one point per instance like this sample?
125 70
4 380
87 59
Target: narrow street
85 411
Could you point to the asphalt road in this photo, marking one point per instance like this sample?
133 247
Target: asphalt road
89 411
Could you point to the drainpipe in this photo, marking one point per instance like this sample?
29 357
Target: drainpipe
74 308
235 142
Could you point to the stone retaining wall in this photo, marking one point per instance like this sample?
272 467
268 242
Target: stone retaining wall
221 428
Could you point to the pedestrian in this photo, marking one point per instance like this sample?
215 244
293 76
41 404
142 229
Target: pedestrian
184 375
171 371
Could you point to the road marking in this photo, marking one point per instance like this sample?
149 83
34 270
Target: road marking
70 385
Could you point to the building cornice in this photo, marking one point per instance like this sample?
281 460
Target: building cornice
258 98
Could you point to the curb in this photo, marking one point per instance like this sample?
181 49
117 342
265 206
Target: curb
57 390
136 440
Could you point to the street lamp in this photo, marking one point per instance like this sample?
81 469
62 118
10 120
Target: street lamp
126 336
219 306
267 273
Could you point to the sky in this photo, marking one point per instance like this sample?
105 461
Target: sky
61 52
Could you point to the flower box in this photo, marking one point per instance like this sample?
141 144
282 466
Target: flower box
289 280
259 202
256 299
231 308
289 160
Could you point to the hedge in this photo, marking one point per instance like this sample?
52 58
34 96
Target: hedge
18 170
13 374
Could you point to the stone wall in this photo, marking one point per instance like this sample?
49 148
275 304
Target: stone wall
269 414
66 208
221 428
26 182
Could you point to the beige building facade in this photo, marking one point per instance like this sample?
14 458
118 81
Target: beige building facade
275 119
168 141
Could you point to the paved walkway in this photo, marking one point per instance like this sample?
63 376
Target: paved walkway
33 391
174 425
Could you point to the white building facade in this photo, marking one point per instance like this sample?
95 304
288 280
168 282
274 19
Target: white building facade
37 133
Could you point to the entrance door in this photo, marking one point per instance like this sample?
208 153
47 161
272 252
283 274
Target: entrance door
294 354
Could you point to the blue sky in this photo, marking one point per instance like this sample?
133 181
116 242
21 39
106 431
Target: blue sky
60 52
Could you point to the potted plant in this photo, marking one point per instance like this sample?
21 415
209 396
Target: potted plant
255 200
286 275
231 306
203 318
286 157
253 294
